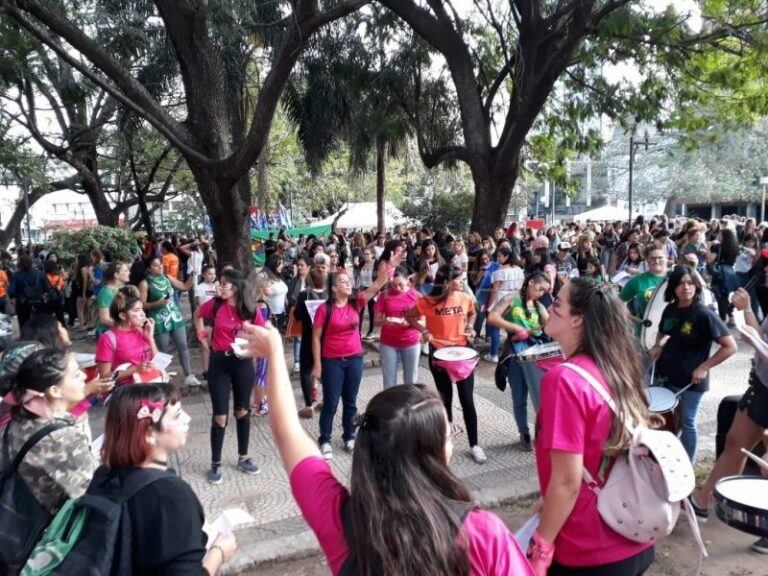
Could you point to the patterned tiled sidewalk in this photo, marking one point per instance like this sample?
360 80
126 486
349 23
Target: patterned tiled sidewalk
279 530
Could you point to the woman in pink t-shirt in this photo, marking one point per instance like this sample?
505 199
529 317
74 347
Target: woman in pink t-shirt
228 372
406 513
399 340
337 355
130 340
575 429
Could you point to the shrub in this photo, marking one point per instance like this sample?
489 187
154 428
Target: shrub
118 241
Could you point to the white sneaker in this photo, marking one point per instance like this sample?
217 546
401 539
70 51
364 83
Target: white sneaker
478 455
349 446
425 349
326 451
296 368
191 381
491 358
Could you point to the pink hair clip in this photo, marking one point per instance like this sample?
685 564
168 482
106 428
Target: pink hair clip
153 410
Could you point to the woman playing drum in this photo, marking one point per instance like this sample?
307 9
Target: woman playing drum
524 319
751 419
450 315
686 333
575 430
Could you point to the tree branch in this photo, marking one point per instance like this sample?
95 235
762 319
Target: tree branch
128 92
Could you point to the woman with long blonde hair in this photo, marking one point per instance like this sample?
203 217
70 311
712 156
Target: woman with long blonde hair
575 430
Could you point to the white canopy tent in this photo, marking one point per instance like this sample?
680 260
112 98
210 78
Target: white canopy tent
604 213
363 215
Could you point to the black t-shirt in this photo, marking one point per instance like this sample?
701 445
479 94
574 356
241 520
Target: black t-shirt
691 331
167 522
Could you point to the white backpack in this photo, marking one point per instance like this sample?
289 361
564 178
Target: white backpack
642 496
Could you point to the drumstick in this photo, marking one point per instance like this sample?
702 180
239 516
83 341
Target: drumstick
756 459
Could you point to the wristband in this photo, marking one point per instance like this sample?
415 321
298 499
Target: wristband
221 551
202 334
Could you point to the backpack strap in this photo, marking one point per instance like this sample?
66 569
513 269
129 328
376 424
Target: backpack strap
140 479
326 322
29 444
217 303
597 387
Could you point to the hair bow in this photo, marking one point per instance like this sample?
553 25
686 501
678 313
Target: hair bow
153 410
33 401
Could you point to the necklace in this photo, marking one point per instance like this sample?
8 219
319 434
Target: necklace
163 463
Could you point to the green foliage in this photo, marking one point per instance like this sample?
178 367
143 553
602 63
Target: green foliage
440 197
119 241
187 216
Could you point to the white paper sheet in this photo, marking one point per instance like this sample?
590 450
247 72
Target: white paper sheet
525 533
312 306
162 360
226 523
97 444
738 319
84 360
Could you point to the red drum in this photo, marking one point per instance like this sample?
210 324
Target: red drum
458 361
665 403
151 376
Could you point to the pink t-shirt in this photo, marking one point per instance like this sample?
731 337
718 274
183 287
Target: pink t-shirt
341 338
492 550
395 303
123 346
227 323
573 418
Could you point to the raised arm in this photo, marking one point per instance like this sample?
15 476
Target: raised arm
292 441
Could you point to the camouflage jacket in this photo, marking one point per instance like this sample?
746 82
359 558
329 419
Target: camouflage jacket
58 467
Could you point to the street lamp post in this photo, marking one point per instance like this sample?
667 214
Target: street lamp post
764 182
633 146
26 208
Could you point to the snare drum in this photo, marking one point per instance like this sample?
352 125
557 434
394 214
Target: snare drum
665 403
742 503
458 361
545 356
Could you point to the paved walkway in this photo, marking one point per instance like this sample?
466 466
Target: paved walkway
279 531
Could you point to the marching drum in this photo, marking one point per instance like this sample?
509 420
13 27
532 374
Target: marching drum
665 403
458 361
545 356
655 308
742 503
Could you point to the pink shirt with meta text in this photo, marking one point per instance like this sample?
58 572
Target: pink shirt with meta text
395 304
341 338
492 550
227 323
573 418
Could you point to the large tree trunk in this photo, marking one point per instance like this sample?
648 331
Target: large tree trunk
381 164
228 208
492 196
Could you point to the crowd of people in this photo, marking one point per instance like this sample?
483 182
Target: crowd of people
584 289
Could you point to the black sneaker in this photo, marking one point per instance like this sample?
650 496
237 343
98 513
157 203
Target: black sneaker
248 466
701 513
214 474
761 546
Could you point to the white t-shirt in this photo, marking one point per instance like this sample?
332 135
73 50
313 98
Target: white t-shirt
205 292
195 263
511 281
276 300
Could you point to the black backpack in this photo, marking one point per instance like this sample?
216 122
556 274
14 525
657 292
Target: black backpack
350 567
105 545
23 518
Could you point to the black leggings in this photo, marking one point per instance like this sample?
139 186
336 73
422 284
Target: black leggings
466 389
371 304
225 372
632 566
